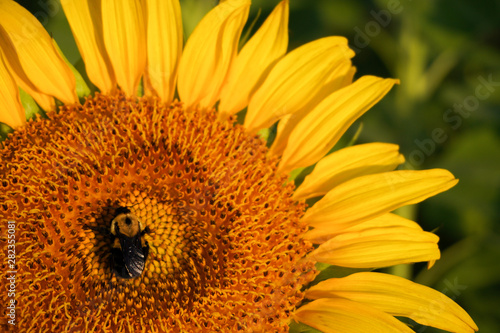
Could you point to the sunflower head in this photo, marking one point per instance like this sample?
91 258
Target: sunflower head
220 238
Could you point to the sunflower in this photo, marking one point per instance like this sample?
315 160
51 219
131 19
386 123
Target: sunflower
232 244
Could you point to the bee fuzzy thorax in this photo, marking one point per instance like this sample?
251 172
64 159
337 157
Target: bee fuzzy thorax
126 224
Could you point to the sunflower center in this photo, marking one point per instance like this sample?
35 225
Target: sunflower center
225 247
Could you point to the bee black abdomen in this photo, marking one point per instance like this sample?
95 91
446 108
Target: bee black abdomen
130 260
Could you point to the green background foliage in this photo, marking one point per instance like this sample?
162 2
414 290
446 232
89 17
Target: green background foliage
442 115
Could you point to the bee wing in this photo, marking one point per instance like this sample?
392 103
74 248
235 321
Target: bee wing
134 257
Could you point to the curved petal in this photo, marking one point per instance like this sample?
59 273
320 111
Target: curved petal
348 163
340 77
295 80
367 197
85 20
334 315
398 297
11 111
209 52
254 61
164 48
318 132
8 51
34 56
378 247
124 32
325 231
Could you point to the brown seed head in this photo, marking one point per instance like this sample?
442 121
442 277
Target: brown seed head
226 252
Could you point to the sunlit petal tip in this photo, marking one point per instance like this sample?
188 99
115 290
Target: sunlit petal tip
29 52
209 53
397 296
254 61
318 132
348 163
85 20
340 77
366 197
325 231
378 247
295 80
164 42
124 31
349 76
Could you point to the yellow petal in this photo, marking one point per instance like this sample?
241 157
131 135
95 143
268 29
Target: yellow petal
294 80
325 231
8 51
318 132
398 297
346 164
164 47
11 111
340 77
209 52
378 247
348 77
85 20
337 315
34 58
367 197
254 61
124 32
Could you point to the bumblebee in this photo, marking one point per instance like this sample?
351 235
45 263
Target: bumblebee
130 249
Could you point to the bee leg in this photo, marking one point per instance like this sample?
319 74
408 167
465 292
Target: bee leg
145 250
145 231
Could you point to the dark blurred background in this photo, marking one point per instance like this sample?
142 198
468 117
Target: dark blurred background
445 114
